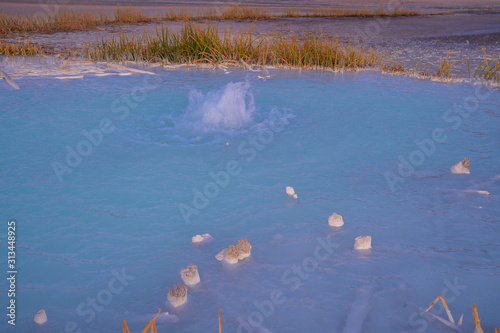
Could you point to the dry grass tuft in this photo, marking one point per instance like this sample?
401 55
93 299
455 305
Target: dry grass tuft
488 69
393 65
63 21
292 12
128 15
81 21
24 49
68 21
335 12
180 14
197 44
243 13
445 66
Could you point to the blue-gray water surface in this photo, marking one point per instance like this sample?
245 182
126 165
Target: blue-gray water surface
108 178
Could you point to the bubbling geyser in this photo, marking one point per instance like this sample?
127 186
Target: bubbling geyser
229 108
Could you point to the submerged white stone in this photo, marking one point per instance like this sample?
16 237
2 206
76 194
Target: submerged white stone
177 295
166 317
483 192
40 317
234 253
335 220
291 192
190 275
201 238
163 317
461 167
363 243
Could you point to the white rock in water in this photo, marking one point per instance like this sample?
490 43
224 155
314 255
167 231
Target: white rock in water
234 253
244 249
335 220
41 317
230 254
201 238
363 243
177 295
221 255
291 192
190 275
461 167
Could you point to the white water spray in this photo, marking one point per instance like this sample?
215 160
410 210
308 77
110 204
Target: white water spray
230 108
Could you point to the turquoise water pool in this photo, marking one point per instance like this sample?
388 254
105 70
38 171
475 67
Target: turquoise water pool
108 178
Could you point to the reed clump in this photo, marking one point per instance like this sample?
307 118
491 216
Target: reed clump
444 68
128 15
181 14
24 49
335 12
344 12
68 21
81 21
488 69
393 65
204 44
230 12
404 12
291 12
62 21
197 44
243 13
